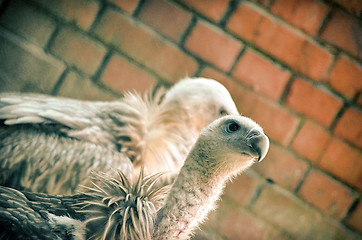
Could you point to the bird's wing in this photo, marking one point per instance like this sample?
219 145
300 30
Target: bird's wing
112 209
46 162
74 118
22 218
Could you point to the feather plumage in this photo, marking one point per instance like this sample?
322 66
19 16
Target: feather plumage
114 208
70 138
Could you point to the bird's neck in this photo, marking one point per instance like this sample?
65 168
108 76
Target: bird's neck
192 196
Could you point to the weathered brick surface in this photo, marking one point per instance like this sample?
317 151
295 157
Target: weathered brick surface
121 75
29 22
128 6
344 162
145 46
286 211
306 15
243 188
213 9
282 167
349 126
326 194
344 32
212 45
310 141
90 91
26 66
80 12
354 6
165 17
345 77
355 220
231 222
301 53
313 102
283 125
359 99
276 205
78 50
292 66
265 3
261 74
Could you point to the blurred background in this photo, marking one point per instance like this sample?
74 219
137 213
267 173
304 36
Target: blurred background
293 66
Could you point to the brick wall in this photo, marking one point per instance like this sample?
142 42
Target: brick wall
293 66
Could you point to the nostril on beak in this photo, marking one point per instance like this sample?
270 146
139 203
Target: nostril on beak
260 144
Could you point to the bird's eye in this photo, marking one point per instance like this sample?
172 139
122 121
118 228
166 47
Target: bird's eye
232 127
222 112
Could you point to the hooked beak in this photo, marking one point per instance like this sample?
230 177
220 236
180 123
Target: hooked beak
260 144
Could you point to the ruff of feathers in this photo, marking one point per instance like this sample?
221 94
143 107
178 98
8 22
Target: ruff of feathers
116 209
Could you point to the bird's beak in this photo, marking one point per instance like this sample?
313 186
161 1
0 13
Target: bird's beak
260 144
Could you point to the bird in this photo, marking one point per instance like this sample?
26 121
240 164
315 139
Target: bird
52 144
115 209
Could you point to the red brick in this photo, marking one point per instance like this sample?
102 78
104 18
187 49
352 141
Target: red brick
75 86
236 90
295 49
284 210
313 102
265 3
245 20
214 46
242 189
24 19
277 122
82 12
349 126
354 6
261 74
339 231
326 194
359 99
78 50
343 31
345 77
282 167
122 75
279 235
355 219
25 67
201 234
243 225
127 5
247 102
165 17
310 141
146 47
306 15
240 224
213 9
344 162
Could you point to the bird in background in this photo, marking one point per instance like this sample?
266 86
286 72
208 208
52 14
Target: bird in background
52 144
116 209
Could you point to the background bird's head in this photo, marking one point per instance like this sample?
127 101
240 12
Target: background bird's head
231 144
203 99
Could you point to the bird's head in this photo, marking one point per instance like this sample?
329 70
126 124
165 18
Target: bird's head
204 99
231 143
